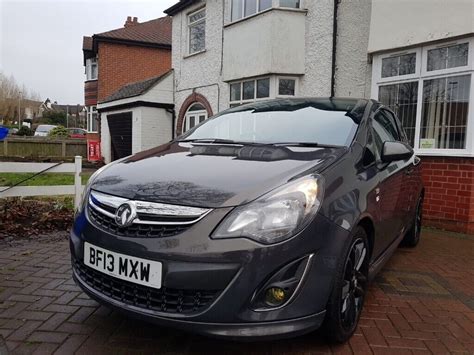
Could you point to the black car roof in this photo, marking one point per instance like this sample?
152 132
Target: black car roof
354 107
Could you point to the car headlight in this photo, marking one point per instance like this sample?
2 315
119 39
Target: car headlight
276 216
87 187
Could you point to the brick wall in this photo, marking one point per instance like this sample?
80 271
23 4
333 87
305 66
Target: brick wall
449 195
121 64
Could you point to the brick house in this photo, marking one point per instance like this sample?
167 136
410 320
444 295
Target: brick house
412 56
114 59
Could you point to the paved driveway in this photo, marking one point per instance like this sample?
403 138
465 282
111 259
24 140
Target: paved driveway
422 302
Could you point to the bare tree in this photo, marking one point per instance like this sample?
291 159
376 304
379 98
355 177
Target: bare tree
9 94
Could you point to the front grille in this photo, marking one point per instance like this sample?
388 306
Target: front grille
108 224
166 300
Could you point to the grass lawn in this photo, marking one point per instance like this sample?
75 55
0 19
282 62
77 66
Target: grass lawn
46 179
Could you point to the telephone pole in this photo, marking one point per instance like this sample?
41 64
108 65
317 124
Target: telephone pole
19 109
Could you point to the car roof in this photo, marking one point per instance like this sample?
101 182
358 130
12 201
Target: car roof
355 107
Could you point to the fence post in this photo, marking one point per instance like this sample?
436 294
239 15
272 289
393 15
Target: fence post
77 180
5 147
63 148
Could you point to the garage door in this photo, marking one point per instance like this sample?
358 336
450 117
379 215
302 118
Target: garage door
120 127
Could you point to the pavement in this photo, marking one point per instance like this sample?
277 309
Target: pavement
422 302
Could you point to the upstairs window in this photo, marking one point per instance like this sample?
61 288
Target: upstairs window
197 31
244 8
91 69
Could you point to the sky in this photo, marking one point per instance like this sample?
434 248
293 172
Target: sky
41 40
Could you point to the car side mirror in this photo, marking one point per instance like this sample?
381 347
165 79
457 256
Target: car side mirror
393 151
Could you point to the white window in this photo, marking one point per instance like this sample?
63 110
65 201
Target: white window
286 86
92 119
91 69
196 114
246 91
431 90
295 4
244 8
197 31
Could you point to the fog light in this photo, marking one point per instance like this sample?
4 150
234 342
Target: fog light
275 296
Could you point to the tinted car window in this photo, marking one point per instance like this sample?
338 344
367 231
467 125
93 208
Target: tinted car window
299 123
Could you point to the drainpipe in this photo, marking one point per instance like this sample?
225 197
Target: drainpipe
334 48
173 119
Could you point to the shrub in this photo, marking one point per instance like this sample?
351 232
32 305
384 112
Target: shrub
24 131
59 132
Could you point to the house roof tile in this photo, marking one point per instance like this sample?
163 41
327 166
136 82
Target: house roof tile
134 89
157 31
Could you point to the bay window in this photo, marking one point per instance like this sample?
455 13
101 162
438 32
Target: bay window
245 8
250 90
430 90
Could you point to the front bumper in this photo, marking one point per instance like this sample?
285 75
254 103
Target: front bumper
236 268
257 330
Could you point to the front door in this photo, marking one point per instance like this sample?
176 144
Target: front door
120 127
195 115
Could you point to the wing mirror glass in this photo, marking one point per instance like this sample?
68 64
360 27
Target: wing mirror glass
393 151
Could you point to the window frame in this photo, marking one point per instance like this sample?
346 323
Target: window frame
277 85
90 62
286 7
190 25
377 67
421 75
233 103
468 67
90 110
196 114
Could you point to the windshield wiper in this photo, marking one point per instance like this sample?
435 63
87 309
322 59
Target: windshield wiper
305 144
222 141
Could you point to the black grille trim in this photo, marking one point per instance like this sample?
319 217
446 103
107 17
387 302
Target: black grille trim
164 300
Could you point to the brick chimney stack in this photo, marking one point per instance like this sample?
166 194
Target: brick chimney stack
131 21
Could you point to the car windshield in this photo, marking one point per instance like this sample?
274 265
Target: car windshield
287 121
44 128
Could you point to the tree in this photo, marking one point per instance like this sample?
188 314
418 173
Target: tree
54 117
24 131
59 132
10 93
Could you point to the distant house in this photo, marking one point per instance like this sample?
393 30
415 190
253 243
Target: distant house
76 114
113 59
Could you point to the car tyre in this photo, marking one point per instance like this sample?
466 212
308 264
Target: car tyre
350 287
412 237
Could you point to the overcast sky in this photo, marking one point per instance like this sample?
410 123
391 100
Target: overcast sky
41 40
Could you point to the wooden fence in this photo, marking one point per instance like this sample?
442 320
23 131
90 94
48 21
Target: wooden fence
42 147
75 189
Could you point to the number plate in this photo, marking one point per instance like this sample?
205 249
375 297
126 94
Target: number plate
129 268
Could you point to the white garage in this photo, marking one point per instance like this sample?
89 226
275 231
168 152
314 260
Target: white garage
137 117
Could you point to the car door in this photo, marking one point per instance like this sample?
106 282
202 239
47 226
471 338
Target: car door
409 192
390 194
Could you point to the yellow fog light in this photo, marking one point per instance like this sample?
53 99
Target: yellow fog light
275 296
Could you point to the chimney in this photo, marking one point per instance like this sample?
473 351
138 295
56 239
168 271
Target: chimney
131 21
